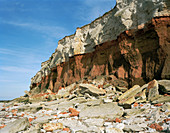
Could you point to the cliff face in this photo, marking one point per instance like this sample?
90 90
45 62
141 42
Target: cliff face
132 42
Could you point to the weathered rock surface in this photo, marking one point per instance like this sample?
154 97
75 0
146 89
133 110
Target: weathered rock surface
152 90
110 110
130 93
129 96
131 42
16 126
41 120
94 122
164 86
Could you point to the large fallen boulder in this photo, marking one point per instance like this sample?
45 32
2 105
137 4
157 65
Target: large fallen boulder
129 96
91 89
152 90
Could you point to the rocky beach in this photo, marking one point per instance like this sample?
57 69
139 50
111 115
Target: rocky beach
111 76
91 106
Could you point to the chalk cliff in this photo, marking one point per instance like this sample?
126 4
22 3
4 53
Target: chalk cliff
131 42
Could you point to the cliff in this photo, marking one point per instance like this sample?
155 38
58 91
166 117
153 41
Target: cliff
131 42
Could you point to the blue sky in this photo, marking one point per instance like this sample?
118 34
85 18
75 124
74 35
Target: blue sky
29 32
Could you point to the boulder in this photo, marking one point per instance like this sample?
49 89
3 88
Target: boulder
16 126
110 110
129 96
128 101
141 96
91 89
63 92
152 90
164 86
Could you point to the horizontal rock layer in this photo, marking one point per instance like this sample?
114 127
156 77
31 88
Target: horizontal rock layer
131 42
